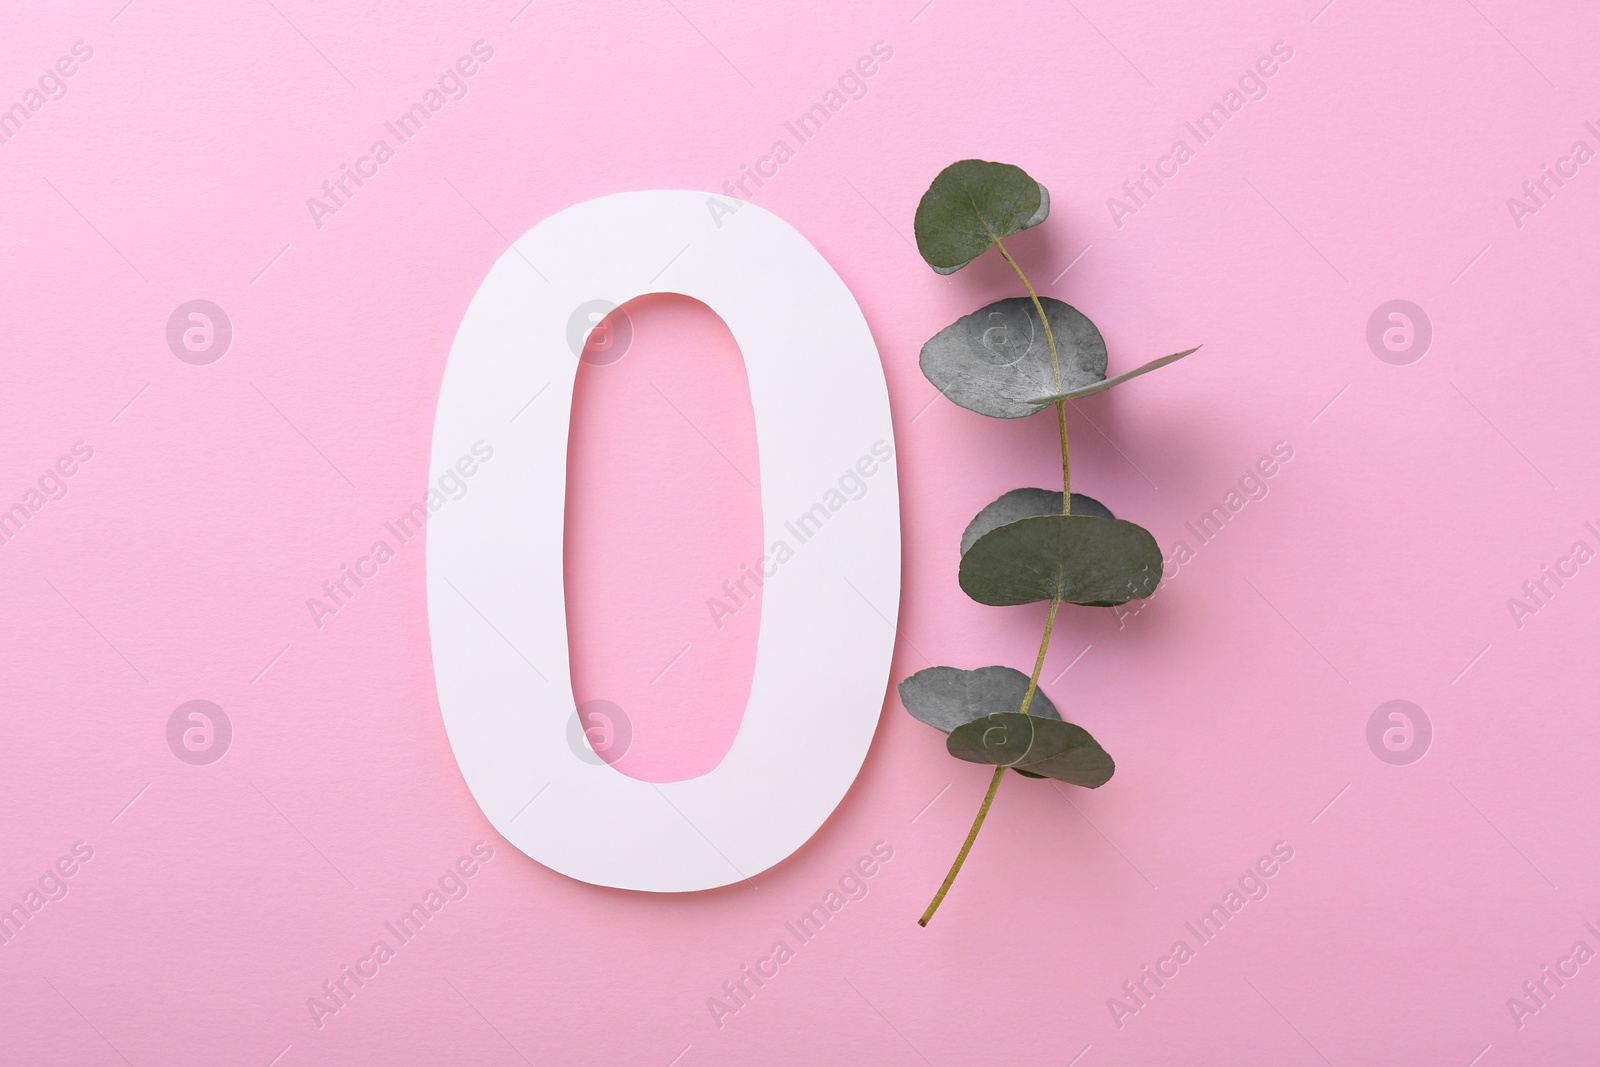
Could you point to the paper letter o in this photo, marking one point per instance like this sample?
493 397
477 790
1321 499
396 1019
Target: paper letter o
496 598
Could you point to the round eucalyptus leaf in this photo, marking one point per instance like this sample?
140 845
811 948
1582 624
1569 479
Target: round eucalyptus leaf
997 362
1009 739
1048 748
1077 559
1025 504
972 204
947 697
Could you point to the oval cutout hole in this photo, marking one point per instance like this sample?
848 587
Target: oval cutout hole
663 536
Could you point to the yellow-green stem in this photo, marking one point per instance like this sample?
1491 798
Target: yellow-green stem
961 857
1037 306
1055 363
1038 663
1066 465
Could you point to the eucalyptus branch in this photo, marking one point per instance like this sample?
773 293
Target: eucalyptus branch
1027 546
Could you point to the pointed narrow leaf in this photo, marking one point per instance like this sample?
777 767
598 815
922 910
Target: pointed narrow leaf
1025 504
946 697
1077 559
1045 747
971 204
1101 387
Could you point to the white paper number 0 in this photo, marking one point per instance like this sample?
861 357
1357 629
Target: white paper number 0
496 606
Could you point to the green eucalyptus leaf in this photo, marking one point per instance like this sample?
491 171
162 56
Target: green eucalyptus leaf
1048 748
946 697
1025 504
972 204
1077 559
997 361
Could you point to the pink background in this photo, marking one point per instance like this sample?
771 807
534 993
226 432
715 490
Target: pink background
219 498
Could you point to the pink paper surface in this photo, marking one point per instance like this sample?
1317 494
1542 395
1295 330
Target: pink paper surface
1384 159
